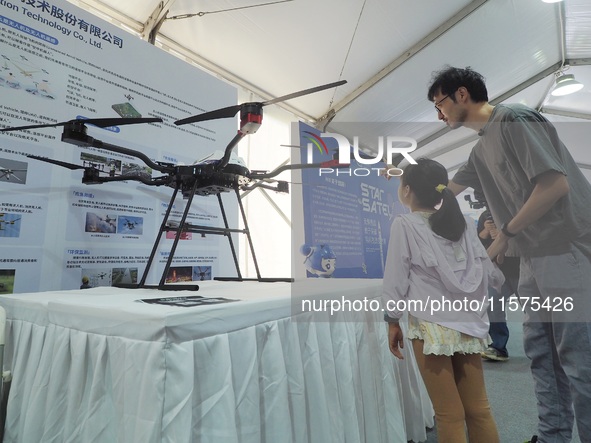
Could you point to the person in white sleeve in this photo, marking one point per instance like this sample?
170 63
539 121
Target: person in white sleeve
438 271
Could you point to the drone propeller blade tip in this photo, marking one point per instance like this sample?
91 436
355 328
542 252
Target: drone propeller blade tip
227 112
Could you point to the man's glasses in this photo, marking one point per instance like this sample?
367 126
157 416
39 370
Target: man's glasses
439 102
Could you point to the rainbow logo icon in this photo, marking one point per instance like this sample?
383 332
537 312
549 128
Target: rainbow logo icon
318 142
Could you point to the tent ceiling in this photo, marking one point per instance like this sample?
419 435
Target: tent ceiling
385 49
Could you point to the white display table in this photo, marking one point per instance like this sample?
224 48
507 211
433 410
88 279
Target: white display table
97 365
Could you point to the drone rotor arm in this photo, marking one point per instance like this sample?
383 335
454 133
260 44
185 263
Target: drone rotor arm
80 139
259 175
228 151
158 181
280 186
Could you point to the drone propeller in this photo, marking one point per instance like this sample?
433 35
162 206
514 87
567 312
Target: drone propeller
71 166
100 122
231 111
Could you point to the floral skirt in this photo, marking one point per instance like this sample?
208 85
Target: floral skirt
439 340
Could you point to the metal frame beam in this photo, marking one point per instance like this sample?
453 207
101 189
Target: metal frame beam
410 52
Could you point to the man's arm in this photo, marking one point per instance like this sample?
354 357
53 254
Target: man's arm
550 187
455 188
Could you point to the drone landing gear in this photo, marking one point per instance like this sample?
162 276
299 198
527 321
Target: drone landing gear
183 226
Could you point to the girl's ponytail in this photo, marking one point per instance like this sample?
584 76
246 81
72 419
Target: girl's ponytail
428 180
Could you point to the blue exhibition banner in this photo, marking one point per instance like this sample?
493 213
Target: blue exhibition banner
348 210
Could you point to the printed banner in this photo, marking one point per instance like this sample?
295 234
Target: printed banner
59 63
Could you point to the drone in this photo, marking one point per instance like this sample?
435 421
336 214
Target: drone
209 176
108 220
129 224
8 174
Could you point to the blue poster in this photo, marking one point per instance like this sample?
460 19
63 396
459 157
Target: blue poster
348 211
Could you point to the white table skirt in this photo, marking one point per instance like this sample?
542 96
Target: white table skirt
97 366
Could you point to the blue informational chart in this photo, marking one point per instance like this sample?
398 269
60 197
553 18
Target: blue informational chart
348 211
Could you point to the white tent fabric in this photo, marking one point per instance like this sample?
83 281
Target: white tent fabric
385 49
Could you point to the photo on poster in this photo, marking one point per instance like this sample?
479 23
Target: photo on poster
26 73
126 110
92 278
201 273
179 274
130 225
17 169
114 167
10 225
99 222
13 171
108 165
95 277
127 276
22 268
136 170
7 277
184 235
23 220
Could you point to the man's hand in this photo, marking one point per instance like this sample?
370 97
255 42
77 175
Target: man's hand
492 228
395 340
384 172
496 251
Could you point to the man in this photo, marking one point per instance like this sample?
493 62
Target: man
542 201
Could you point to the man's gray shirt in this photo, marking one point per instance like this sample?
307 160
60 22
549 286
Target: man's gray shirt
516 146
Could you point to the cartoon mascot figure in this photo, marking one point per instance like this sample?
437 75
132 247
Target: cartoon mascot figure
320 260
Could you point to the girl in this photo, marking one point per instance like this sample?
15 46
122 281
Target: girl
438 271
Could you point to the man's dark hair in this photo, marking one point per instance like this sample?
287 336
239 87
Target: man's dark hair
449 79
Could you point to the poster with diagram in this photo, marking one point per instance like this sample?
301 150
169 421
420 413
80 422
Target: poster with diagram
59 63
